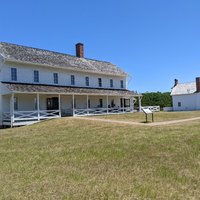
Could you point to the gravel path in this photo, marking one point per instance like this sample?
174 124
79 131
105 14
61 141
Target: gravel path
138 123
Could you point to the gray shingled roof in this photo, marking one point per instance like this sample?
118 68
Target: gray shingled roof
32 88
20 53
184 88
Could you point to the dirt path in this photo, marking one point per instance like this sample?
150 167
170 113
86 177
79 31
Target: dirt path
138 123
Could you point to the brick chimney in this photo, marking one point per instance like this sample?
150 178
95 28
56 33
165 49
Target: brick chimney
80 50
198 84
175 82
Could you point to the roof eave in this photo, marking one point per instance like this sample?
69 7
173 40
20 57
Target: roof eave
182 94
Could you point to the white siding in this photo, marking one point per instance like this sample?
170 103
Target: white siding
6 103
25 75
188 102
25 102
198 101
66 101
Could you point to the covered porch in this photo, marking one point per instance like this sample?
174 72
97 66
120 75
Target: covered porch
22 106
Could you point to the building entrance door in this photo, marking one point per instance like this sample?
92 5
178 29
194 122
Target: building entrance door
52 103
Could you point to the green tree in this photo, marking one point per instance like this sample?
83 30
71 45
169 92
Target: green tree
157 99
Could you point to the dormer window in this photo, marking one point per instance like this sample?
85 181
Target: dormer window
72 80
55 78
14 74
87 81
36 76
111 83
100 82
122 84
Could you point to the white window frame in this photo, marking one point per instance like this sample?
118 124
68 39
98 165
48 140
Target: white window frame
72 79
121 83
14 74
55 78
36 76
87 81
100 82
111 83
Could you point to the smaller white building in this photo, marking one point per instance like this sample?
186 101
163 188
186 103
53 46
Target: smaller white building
186 96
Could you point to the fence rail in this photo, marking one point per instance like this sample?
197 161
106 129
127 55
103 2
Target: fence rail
6 116
44 114
30 115
99 111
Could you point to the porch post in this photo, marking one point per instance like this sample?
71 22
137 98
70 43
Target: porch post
59 105
107 103
123 104
73 104
38 106
12 110
131 104
140 105
87 106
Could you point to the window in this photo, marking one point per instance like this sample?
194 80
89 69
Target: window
88 103
36 76
15 103
72 80
179 104
55 78
122 84
100 103
14 74
100 82
111 83
87 81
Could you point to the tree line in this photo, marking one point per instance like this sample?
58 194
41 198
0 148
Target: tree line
156 99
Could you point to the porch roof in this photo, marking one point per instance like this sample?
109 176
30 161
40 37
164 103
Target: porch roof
52 89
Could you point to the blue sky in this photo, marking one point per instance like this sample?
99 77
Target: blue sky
155 41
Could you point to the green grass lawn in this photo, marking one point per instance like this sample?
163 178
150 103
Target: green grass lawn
77 159
158 116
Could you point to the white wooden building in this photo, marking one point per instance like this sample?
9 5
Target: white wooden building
38 84
186 96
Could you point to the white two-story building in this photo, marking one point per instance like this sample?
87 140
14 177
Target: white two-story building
38 84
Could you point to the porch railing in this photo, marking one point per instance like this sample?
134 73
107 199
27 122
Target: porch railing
99 111
44 114
6 116
30 115
22 116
